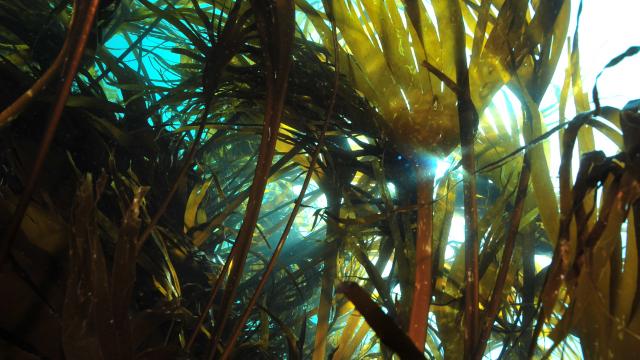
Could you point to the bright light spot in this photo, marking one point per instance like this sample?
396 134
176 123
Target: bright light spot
392 189
353 145
494 353
321 203
457 228
542 261
442 167
456 236
406 101
396 291
449 252
307 215
617 85
387 269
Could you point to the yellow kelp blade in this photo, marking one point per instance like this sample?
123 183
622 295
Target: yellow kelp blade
193 202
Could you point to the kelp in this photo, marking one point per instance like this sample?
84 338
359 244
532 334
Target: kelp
263 179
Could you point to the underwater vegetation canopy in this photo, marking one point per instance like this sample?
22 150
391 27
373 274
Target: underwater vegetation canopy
306 179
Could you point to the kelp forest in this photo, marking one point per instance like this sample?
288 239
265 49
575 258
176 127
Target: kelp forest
315 179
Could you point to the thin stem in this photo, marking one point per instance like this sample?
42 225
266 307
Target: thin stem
468 121
296 208
216 221
276 46
471 246
71 68
510 240
210 80
212 298
13 110
330 260
183 172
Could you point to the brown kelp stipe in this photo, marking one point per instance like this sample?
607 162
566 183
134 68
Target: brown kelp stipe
78 35
276 47
230 345
423 283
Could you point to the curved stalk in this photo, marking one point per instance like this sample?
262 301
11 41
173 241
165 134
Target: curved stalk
277 50
285 233
88 9
13 110
229 41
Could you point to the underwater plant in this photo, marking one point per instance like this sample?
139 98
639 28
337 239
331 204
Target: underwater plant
335 179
